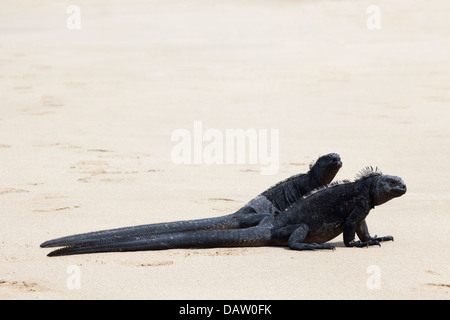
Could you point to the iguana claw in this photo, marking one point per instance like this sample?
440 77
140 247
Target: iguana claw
364 244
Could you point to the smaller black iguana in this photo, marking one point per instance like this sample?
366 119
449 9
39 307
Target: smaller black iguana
277 198
307 224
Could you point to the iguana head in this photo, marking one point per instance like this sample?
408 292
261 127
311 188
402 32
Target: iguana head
385 187
388 187
326 167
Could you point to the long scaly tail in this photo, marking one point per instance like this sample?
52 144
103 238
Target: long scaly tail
231 221
254 236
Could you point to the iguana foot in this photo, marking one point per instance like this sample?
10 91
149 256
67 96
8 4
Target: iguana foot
311 246
363 244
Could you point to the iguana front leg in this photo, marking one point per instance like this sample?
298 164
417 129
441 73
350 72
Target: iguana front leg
363 233
353 225
297 237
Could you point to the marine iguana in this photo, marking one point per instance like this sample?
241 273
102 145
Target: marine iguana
276 198
307 224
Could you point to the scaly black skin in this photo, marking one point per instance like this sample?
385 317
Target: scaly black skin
276 198
306 225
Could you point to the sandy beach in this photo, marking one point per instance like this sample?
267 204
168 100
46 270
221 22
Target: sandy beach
89 104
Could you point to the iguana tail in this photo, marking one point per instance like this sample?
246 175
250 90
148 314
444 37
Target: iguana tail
231 221
255 236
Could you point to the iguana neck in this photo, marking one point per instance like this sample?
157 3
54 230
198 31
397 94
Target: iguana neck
315 180
373 196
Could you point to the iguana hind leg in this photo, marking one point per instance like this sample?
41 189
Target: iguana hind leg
297 237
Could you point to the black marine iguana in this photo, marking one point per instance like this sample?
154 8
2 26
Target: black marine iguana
277 198
305 225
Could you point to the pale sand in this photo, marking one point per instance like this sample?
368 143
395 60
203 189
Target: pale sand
86 118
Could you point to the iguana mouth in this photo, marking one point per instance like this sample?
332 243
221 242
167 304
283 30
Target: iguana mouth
335 164
338 163
398 191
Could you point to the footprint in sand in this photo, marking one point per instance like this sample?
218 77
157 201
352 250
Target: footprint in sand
218 252
51 101
99 171
103 171
90 168
221 199
53 203
156 264
26 286
12 190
